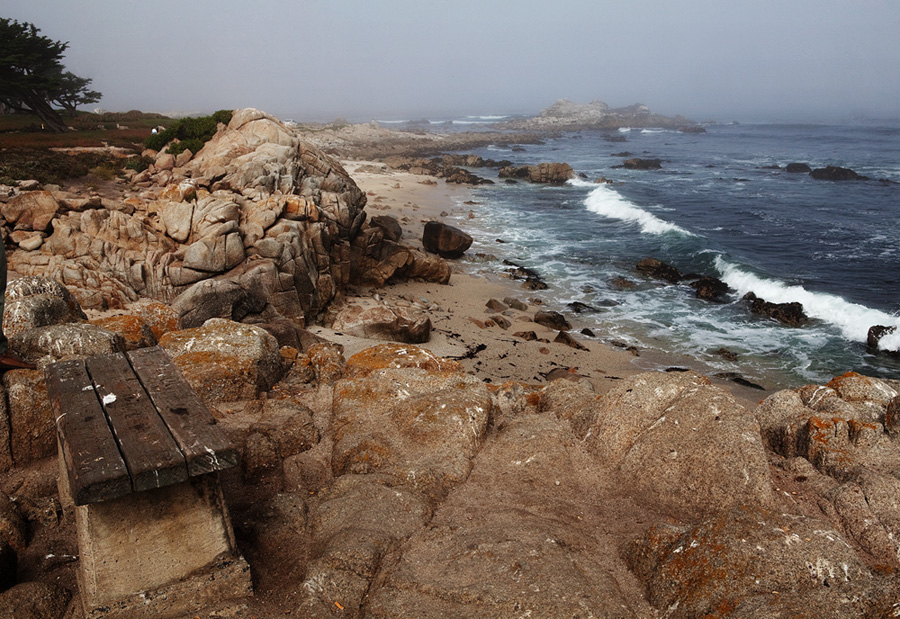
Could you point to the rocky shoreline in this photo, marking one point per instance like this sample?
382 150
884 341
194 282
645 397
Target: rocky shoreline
499 467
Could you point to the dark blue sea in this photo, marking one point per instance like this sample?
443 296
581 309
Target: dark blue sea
722 205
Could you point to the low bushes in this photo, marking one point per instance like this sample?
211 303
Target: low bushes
191 133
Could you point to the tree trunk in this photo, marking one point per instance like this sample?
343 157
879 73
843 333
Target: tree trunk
40 106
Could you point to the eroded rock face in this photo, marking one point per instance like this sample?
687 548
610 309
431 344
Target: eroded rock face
680 440
419 426
741 562
518 539
845 432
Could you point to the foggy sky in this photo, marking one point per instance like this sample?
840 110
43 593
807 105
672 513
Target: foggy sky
393 59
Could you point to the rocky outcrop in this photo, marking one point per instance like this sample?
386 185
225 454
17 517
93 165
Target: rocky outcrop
547 173
257 213
569 116
755 563
678 439
394 484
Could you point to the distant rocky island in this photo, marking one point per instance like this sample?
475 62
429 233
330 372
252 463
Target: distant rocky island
567 115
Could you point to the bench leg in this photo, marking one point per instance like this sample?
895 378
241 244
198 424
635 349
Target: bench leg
165 552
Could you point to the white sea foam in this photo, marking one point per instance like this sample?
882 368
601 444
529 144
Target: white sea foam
852 319
489 117
605 201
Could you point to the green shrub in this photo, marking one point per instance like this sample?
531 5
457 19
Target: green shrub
192 133
138 164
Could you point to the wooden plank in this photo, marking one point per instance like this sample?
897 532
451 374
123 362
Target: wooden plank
205 446
152 456
95 468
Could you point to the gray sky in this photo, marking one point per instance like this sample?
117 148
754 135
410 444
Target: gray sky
321 59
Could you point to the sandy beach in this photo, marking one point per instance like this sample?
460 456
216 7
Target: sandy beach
462 325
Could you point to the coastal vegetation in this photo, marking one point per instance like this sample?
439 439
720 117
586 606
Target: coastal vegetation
191 133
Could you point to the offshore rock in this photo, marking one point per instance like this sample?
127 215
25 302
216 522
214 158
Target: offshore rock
548 173
798 168
657 269
788 314
569 116
711 289
641 164
836 173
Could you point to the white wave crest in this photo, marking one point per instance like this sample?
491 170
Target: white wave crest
852 319
605 201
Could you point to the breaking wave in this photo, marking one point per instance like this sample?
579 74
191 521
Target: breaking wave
606 202
853 320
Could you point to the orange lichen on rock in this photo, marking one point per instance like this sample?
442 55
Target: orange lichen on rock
397 356
134 329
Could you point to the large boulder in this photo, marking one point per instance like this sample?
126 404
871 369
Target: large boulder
38 302
31 210
552 320
44 345
224 360
445 240
396 324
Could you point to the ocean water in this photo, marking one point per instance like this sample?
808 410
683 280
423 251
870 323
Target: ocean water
717 207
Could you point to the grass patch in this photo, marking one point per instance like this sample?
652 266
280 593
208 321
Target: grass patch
121 129
49 166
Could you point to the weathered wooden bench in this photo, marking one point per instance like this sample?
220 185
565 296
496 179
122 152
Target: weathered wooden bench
139 458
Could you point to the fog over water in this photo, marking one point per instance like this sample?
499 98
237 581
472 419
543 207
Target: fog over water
317 60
